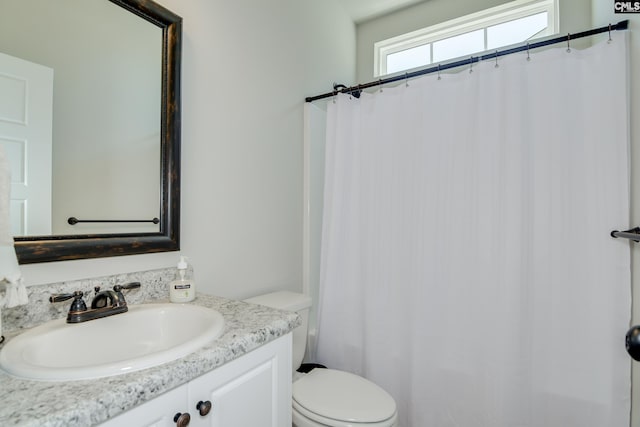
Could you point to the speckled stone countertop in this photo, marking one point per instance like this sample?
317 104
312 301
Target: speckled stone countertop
90 402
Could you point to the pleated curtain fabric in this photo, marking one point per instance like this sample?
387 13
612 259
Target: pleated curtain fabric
466 261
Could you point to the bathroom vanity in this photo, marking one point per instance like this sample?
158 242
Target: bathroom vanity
242 378
248 391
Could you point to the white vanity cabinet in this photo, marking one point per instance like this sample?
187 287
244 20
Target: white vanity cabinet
253 390
158 412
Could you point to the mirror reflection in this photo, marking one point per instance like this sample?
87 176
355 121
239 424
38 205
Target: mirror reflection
80 116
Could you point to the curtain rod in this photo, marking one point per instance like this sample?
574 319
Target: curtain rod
632 234
622 25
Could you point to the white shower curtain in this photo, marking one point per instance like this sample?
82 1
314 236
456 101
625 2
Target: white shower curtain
467 265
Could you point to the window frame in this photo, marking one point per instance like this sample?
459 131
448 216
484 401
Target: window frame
480 20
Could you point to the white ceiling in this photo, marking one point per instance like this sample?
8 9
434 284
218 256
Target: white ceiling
362 10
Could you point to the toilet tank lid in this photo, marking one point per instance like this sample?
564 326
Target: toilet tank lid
283 300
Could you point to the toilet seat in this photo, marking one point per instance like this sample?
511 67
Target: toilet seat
304 418
341 399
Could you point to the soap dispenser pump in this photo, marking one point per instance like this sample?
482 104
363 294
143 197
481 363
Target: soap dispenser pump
183 287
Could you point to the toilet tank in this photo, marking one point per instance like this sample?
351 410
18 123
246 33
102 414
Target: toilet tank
290 301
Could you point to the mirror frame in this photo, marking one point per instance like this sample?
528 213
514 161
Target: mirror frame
35 249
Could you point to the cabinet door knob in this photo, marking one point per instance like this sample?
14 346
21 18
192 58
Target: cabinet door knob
182 420
204 407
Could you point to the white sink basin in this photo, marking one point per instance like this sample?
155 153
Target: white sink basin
145 336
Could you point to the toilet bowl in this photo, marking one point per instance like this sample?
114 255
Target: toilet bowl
329 397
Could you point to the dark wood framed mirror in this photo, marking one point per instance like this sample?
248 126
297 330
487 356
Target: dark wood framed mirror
46 248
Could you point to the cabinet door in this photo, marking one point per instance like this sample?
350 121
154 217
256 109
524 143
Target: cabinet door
254 390
158 412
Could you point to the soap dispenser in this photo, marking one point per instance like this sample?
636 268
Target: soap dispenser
183 287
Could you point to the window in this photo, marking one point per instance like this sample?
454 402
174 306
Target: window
514 22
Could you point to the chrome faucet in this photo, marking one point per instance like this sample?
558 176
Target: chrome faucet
104 303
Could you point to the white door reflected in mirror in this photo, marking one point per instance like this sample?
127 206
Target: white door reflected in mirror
26 111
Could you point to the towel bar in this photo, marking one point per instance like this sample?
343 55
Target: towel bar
73 220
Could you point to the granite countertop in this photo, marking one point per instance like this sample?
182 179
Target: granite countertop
89 402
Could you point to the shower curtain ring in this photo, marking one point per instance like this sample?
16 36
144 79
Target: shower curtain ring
568 42
471 64
439 77
356 93
609 41
528 54
406 79
496 66
380 84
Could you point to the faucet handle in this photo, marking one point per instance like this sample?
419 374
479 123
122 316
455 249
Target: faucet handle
78 303
131 285
119 288
63 297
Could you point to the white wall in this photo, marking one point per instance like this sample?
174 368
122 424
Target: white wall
575 15
603 14
247 66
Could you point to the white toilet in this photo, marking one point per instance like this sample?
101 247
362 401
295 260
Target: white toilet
328 397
